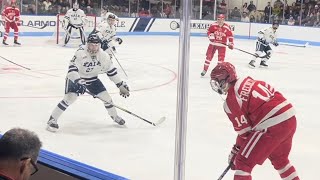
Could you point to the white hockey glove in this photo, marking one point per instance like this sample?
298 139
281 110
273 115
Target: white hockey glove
124 89
232 156
119 40
211 36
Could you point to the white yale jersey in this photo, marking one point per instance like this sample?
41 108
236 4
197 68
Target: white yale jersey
268 34
76 18
106 32
88 66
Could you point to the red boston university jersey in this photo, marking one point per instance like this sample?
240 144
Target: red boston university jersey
11 14
221 34
255 105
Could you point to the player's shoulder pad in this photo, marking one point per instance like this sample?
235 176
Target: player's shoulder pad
81 52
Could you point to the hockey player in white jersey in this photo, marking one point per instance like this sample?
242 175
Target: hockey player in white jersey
265 37
107 32
105 14
88 62
74 18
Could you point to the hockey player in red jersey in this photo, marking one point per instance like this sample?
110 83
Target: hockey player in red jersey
11 16
218 32
264 120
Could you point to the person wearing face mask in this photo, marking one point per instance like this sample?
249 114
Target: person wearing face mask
19 150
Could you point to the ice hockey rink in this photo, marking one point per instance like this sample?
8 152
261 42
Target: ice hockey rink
140 151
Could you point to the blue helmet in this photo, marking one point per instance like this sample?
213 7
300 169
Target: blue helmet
93 38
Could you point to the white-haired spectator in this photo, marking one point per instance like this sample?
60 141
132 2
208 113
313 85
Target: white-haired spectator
47 4
291 21
245 17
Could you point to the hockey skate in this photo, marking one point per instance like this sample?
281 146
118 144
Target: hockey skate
16 42
263 64
118 120
52 125
251 64
4 43
203 72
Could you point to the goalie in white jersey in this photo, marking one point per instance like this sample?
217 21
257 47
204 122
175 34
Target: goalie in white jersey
88 62
74 18
107 32
265 37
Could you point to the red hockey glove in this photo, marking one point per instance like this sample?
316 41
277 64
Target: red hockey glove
230 45
18 23
232 156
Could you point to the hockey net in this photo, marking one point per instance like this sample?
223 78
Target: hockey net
59 33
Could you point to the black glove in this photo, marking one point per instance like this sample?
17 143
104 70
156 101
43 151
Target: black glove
119 40
113 49
232 156
276 43
263 41
124 89
105 45
80 86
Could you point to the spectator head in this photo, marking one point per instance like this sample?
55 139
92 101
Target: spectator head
316 6
269 4
251 2
19 150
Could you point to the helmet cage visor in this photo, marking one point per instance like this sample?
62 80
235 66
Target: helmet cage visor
219 86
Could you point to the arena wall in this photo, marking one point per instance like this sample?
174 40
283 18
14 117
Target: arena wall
154 26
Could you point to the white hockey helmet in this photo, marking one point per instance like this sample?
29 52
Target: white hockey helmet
111 18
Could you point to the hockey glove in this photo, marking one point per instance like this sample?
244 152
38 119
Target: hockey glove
80 86
276 43
124 89
263 41
119 40
230 46
211 37
105 45
232 156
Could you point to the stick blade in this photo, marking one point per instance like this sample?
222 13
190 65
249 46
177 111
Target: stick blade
160 121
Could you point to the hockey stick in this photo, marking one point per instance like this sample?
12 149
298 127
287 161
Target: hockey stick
129 112
255 55
14 63
225 172
119 63
294 45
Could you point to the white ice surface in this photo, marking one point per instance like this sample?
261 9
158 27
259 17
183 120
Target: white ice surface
140 151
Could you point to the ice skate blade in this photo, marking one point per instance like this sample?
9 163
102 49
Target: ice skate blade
51 129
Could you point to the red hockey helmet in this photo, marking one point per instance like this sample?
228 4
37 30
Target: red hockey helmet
13 3
221 76
220 16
